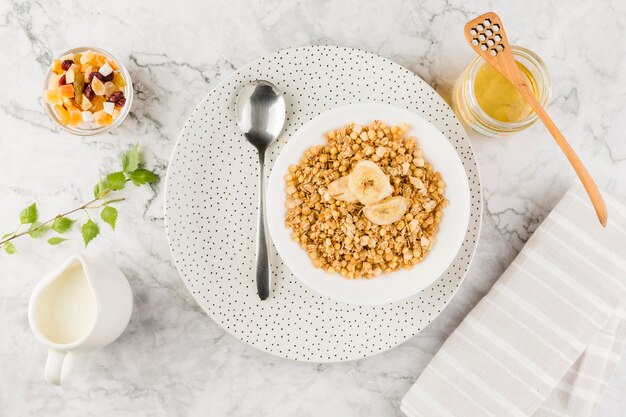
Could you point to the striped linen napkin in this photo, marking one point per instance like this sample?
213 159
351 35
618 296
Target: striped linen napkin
547 337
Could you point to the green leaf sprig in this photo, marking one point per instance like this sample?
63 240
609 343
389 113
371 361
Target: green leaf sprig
132 170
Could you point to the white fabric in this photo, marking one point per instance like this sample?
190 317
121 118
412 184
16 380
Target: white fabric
545 340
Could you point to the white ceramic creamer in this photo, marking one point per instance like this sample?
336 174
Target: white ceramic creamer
84 305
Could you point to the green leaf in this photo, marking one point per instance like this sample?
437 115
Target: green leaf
62 224
9 248
37 230
142 176
89 231
109 216
99 189
116 180
56 240
131 159
29 214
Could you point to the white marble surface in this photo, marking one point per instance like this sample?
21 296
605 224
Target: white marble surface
173 360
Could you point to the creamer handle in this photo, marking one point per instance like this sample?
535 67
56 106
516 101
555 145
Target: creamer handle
58 366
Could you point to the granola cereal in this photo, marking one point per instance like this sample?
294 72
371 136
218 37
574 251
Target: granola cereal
360 232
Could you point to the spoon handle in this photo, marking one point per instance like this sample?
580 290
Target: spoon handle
263 276
590 186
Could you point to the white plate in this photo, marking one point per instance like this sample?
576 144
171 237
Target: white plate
210 209
398 285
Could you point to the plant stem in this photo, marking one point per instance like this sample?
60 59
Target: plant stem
83 207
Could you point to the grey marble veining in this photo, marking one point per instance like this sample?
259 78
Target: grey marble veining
173 360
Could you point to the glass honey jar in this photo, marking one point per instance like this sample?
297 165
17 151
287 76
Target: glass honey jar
489 104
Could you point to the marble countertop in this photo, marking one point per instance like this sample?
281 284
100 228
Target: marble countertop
175 361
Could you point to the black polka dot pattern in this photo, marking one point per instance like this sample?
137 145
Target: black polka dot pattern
211 209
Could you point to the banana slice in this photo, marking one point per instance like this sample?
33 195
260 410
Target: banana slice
387 211
369 183
340 190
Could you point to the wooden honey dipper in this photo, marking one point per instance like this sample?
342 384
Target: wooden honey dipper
487 37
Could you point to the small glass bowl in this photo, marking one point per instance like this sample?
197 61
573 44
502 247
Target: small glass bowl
128 93
469 111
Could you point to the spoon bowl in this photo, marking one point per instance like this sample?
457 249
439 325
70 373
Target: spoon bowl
260 110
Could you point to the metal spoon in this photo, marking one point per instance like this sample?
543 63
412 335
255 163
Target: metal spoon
260 112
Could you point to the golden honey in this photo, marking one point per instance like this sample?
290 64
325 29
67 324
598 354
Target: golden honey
497 97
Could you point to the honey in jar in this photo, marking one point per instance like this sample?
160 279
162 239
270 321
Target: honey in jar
497 97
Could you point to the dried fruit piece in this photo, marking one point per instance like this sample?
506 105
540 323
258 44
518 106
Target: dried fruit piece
52 96
387 211
108 107
97 86
113 65
77 59
67 102
98 60
66 91
102 118
109 88
87 116
340 190
53 81
86 57
88 92
62 114
56 67
99 76
79 85
118 80
65 65
118 98
97 103
85 104
62 80
105 69
99 115
369 183
76 116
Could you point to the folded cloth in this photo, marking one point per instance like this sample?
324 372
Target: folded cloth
547 337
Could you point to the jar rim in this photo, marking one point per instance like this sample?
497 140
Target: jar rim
543 98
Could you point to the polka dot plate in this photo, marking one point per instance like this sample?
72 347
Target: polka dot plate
210 209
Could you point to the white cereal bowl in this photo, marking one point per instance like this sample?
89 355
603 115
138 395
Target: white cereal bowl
397 285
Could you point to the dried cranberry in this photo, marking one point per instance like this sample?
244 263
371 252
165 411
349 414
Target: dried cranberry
100 77
66 64
115 96
118 98
94 74
62 80
88 92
